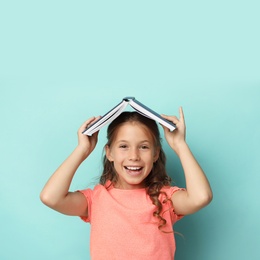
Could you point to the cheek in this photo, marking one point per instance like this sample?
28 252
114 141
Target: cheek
156 155
117 156
149 158
112 155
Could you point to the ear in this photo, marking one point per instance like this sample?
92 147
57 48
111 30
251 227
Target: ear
156 154
108 153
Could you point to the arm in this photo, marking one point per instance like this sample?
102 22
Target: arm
198 193
55 193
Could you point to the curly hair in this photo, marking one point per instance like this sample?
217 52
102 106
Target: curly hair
157 178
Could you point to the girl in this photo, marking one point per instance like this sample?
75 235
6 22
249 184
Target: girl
133 209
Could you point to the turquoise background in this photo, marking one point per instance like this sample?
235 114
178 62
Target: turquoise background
62 62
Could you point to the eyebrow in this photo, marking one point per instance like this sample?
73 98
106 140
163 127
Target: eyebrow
143 141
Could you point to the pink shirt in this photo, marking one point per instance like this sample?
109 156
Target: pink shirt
123 225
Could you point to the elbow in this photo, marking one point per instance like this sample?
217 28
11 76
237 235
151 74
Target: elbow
44 198
198 202
208 199
205 199
47 200
202 201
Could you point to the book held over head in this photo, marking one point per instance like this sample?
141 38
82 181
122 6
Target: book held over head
118 109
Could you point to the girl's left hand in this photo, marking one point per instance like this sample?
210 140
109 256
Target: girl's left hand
177 136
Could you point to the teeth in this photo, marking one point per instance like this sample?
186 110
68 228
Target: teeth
133 168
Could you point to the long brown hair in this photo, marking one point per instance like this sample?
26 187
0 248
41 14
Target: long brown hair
157 177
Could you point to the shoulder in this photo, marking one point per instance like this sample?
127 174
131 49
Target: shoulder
97 189
89 192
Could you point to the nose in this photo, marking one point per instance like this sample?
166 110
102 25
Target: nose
134 155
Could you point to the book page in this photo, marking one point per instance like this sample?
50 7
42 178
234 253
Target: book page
107 118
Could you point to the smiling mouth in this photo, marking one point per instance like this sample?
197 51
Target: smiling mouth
131 170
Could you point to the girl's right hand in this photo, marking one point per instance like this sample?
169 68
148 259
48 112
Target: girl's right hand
85 142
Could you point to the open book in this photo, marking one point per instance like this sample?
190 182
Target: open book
118 109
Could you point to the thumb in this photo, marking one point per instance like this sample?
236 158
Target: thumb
181 114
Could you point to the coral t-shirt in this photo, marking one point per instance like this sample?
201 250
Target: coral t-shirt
123 225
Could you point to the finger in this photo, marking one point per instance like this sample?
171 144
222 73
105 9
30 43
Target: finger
87 123
173 119
181 114
93 120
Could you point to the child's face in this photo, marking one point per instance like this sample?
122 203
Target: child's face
133 153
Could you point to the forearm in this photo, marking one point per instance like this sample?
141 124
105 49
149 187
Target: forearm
197 185
57 187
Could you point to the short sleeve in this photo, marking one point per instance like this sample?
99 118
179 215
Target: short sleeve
169 192
88 193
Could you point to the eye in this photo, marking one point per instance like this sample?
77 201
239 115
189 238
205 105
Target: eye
144 147
123 146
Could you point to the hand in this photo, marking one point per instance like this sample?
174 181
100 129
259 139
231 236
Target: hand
87 143
176 137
